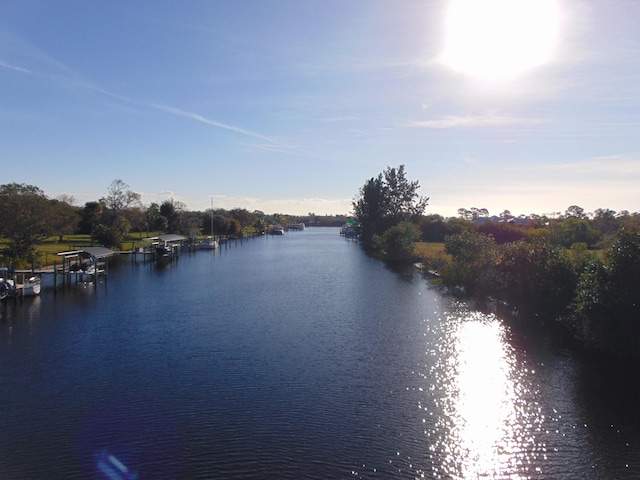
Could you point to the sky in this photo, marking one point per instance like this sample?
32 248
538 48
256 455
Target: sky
290 106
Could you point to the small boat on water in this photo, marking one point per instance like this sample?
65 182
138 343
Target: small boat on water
166 245
166 250
7 285
7 288
209 243
277 230
30 287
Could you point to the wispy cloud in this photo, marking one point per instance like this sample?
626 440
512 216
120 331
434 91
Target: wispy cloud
624 166
68 75
296 206
475 121
213 123
13 67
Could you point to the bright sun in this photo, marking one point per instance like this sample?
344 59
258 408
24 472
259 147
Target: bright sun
499 39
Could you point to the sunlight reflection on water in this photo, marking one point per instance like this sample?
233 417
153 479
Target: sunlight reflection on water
490 419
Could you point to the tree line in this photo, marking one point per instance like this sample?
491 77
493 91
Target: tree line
576 270
28 216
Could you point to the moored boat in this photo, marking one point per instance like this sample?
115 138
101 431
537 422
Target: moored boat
209 243
30 287
7 288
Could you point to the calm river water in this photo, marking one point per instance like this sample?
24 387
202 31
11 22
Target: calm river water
295 357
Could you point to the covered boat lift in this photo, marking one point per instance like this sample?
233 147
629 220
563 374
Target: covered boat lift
87 261
165 245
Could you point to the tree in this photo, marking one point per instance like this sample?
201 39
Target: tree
536 278
605 221
502 232
90 217
119 200
370 208
433 228
606 312
506 215
155 221
24 219
385 201
399 242
572 230
473 261
63 218
575 211
474 213
403 199
111 236
479 212
172 210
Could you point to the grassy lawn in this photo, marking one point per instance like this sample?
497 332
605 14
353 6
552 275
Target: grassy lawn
49 248
430 250
53 245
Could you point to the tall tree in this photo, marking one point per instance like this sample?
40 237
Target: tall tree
64 217
385 201
91 214
118 200
403 199
370 208
172 210
606 310
24 219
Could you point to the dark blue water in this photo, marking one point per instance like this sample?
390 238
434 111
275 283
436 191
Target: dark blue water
295 357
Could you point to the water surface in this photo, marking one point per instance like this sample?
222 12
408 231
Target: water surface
296 357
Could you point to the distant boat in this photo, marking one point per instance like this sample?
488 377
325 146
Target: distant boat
166 250
209 243
166 245
277 230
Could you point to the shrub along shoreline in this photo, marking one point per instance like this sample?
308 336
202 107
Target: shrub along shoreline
593 298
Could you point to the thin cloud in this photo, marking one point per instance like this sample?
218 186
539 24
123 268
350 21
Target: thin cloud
623 165
213 123
13 67
71 77
475 121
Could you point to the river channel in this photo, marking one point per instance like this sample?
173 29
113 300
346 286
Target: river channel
296 357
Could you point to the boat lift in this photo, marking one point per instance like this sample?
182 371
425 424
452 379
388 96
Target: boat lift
88 262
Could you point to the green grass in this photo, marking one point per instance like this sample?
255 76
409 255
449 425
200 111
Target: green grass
54 245
430 250
48 248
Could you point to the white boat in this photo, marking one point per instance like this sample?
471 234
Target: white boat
209 243
30 287
277 230
165 245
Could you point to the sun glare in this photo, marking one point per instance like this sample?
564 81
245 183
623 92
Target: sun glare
499 39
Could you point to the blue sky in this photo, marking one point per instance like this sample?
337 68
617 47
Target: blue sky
290 106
